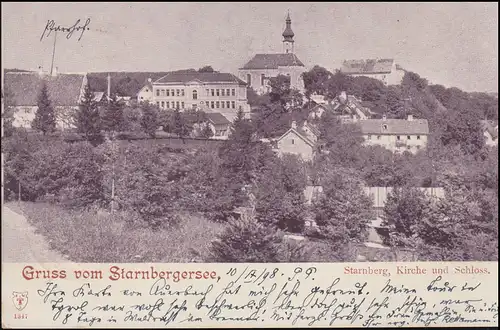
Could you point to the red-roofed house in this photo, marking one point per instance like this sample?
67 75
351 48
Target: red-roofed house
65 93
385 70
397 135
262 67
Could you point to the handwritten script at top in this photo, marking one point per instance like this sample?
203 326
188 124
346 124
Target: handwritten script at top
268 296
77 27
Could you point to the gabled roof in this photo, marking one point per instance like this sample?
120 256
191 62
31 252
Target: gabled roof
299 134
394 126
217 118
64 89
204 77
367 66
489 126
272 61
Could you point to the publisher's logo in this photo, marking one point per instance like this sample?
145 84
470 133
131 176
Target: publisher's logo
20 299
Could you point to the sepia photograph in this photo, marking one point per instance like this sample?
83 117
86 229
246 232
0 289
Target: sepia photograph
253 132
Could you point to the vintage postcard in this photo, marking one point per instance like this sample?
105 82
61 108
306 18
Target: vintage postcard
249 165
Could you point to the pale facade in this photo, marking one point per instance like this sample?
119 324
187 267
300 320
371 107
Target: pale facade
385 70
489 139
396 135
300 142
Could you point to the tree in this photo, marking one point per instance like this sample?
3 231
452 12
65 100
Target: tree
282 92
206 68
344 211
149 119
207 132
87 118
113 119
316 81
180 126
45 117
404 212
247 240
127 87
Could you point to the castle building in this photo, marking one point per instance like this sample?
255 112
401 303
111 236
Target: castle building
257 72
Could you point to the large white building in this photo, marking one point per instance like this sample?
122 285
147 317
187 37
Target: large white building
208 91
262 67
385 70
396 135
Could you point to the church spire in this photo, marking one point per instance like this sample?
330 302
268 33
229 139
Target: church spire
288 35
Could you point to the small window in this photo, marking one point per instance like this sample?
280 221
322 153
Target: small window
177 104
408 137
182 92
233 104
157 92
223 104
195 94
168 103
227 92
168 92
212 105
172 92
228 104
217 105
223 92
398 137
217 92
418 137
233 92
182 105
208 92
369 137
249 79
194 106
418 147
384 127
213 92
378 137
142 98
293 141
162 104
158 103
262 77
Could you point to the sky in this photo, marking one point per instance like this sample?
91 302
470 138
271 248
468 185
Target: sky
453 44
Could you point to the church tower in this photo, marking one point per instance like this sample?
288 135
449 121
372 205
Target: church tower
288 36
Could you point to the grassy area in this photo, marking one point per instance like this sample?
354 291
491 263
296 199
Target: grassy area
89 236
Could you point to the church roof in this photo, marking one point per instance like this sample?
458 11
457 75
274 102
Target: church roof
272 61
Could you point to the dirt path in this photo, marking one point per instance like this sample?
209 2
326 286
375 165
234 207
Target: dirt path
20 243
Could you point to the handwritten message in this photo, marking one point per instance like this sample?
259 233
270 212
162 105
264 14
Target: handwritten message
252 295
51 26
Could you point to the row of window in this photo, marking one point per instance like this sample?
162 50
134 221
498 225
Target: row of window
222 104
398 137
209 92
166 105
169 92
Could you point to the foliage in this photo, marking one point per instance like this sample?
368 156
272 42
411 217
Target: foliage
206 132
180 125
344 211
206 68
45 117
404 211
149 118
247 240
280 200
113 118
87 118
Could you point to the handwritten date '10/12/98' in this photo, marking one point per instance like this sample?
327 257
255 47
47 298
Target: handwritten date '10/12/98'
51 26
272 296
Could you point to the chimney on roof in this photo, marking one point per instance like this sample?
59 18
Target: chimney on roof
294 124
410 117
40 70
384 117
